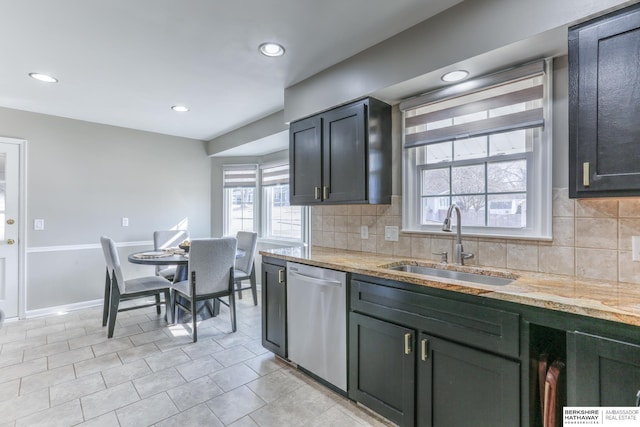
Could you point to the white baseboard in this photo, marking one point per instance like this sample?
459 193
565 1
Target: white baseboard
62 308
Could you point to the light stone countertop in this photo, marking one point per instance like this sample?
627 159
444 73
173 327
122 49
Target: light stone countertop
615 301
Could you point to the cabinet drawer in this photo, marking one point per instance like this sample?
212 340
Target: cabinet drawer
481 327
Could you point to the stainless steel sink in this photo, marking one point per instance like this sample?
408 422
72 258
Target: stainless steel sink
452 274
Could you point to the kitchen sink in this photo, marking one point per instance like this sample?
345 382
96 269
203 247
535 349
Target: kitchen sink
452 274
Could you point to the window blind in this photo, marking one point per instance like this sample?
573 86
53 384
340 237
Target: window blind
499 106
275 175
240 176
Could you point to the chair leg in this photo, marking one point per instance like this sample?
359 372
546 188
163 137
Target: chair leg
194 316
158 303
167 305
107 297
254 287
232 311
113 309
238 286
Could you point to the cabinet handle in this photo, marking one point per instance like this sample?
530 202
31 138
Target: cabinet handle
281 276
638 398
316 193
407 343
325 192
585 174
424 350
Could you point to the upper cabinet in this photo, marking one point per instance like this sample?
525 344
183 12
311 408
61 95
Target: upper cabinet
342 155
604 106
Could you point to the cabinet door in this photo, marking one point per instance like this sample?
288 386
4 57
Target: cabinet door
274 309
602 371
305 161
604 95
382 368
344 147
459 386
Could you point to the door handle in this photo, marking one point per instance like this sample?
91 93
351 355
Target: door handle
407 343
585 174
424 350
10 242
11 221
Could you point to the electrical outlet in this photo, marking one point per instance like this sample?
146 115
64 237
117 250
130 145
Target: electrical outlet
391 233
364 231
38 224
635 248
125 222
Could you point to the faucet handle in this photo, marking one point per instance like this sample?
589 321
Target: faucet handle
466 255
443 256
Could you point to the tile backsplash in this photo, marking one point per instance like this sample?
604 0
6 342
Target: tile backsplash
591 238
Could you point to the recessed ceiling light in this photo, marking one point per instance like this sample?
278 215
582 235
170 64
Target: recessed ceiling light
43 77
180 108
271 49
455 76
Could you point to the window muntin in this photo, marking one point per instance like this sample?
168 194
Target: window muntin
488 152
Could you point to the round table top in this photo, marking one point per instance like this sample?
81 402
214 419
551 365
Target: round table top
169 259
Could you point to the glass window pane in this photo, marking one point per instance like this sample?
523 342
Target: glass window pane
437 153
434 210
505 177
240 209
435 182
470 148
472 209
509 143
283 220
507 210
468 179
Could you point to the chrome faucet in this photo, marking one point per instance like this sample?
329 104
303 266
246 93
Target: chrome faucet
459 255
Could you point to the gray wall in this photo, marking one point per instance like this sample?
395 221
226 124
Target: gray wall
82 178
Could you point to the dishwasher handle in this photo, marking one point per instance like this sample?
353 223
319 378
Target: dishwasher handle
315 280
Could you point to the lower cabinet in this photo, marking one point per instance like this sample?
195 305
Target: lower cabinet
274 308
604 372
414 378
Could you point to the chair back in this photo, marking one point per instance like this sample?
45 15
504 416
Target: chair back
248 242
113 261
212 261
169 238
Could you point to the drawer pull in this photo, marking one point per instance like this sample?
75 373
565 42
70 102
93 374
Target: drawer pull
281 276
424 350
325 192
407 343
585 174
316 193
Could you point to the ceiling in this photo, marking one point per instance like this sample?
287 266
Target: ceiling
125 63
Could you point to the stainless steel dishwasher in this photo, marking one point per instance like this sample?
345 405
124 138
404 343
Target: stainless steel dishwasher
317 321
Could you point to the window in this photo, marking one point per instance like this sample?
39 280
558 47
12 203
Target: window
248 197
279 219
239 198
487 150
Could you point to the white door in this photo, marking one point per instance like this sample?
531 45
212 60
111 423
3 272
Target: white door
9 230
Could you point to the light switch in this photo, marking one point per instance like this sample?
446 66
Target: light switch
364 231
38 224
391 233
125 222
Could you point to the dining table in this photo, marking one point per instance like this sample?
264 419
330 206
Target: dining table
179 258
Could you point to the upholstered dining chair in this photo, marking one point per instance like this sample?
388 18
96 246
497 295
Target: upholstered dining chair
210 277
163 239
117 289
245 265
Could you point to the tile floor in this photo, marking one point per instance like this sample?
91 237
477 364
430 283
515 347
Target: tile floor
61 370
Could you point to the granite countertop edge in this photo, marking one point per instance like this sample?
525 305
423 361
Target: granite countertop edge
613 301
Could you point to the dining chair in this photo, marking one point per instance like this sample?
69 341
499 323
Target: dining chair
168 239
117 289
245 265
210 278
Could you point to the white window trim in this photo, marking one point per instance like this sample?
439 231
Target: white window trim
226 201
540 196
